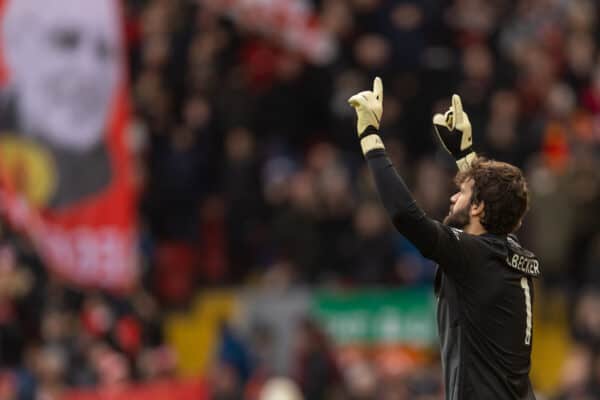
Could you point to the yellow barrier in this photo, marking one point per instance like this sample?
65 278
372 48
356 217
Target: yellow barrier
551 340
194 334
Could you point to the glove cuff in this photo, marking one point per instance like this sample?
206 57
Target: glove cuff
464 153
369 130
371 142
464 163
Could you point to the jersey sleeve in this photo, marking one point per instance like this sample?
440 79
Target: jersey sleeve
433 239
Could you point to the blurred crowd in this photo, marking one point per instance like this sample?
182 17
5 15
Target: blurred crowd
250 167
53 337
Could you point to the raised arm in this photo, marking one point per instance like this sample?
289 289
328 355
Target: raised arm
433 239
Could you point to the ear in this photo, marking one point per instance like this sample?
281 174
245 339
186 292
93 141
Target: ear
478 209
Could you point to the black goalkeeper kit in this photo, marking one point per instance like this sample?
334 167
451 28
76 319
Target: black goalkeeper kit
484 295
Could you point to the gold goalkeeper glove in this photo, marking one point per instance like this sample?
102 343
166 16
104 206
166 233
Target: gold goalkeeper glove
369 108
454 132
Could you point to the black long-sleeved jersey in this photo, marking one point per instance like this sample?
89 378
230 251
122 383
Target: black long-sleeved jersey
485 294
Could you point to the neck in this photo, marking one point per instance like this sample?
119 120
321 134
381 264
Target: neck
475 228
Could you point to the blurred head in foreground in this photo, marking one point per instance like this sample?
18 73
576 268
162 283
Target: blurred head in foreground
280 389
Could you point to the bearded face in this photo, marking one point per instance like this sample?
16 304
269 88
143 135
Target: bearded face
458 218
459 215
64 68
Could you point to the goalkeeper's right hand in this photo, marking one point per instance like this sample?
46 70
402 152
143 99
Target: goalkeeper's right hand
368 105
453 129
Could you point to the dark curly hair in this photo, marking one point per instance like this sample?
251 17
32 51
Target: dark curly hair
503 190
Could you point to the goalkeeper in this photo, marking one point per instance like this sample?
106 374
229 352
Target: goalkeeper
484 277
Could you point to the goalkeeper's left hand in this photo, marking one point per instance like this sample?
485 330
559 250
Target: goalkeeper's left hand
369 108
454 132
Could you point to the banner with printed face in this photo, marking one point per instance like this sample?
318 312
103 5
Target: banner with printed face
65 173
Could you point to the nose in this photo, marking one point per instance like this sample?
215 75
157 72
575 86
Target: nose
454 198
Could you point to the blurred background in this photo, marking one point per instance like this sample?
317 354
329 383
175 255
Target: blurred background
186 212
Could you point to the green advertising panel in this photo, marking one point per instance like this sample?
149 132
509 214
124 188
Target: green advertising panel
378 316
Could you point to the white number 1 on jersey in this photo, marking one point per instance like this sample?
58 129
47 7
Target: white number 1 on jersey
525 286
